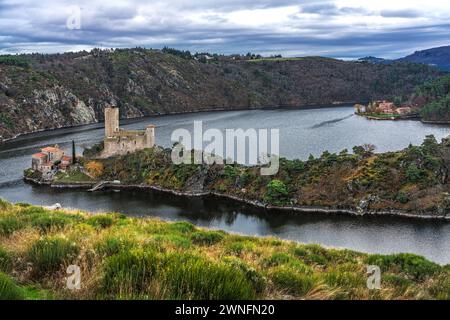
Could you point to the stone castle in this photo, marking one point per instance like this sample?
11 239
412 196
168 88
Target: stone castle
121 142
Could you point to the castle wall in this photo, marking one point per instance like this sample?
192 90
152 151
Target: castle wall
122 145
111 121
119 142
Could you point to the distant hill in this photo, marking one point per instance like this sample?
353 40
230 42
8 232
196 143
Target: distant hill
375 60
51 91
439 57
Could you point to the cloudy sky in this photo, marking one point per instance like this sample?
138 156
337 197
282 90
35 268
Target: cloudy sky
335 28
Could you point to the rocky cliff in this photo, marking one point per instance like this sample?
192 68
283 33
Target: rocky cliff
39 92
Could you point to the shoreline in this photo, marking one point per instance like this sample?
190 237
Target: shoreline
255 203
404 118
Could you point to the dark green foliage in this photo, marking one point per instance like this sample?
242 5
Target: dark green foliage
293 282
182 227
207 237
46 220
193 277
8 289
9 224
128 274
415 266
5 260
402 197
113 245
277 192
436 93
11 60
50 253
415 174
179 53
94 150
101 221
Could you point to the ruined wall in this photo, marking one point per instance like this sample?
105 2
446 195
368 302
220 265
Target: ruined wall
111 121
122 145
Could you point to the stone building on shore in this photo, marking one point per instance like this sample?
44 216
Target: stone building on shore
122 142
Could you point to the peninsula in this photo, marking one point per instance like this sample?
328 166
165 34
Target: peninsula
414 182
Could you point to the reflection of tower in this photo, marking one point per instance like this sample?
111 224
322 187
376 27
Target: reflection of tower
111 121
150 136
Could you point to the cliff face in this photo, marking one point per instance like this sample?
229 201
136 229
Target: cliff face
40 92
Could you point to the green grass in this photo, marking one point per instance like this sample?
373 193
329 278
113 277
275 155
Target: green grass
101 221
48 254
207 237
9 290
292 281
138 258
193 277
5 260
73 177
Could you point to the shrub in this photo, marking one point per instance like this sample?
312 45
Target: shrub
441 288
415 266
49 253
192 277
5 260
207 237
8 289
345 281
112 245
402 197
9 224
181 227
277 192
129 274
101 221
258 281
4 204
49 221
291 281
414 174
174 239
277 259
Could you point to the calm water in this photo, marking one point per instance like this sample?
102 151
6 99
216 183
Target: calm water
302 132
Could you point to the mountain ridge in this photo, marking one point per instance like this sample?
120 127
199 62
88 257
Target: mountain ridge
40 92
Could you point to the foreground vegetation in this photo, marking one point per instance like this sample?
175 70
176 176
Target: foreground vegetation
415 180
125 258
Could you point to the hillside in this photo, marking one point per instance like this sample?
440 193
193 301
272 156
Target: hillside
439 57
433 99
50 91
138 258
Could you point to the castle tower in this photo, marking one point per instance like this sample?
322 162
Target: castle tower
150 136
111 121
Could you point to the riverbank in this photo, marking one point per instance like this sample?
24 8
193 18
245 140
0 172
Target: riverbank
181 261
257 204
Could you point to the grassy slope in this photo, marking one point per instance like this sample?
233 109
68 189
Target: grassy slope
122 258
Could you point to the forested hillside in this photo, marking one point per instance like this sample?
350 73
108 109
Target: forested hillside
50 91
435 98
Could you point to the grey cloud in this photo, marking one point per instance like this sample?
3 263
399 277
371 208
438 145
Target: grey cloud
24 27
409 13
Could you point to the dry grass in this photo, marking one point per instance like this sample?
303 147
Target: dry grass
125 258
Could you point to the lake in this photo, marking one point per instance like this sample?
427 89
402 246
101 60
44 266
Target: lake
302 132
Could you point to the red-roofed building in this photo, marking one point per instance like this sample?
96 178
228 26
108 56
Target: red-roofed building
48 158
38 159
